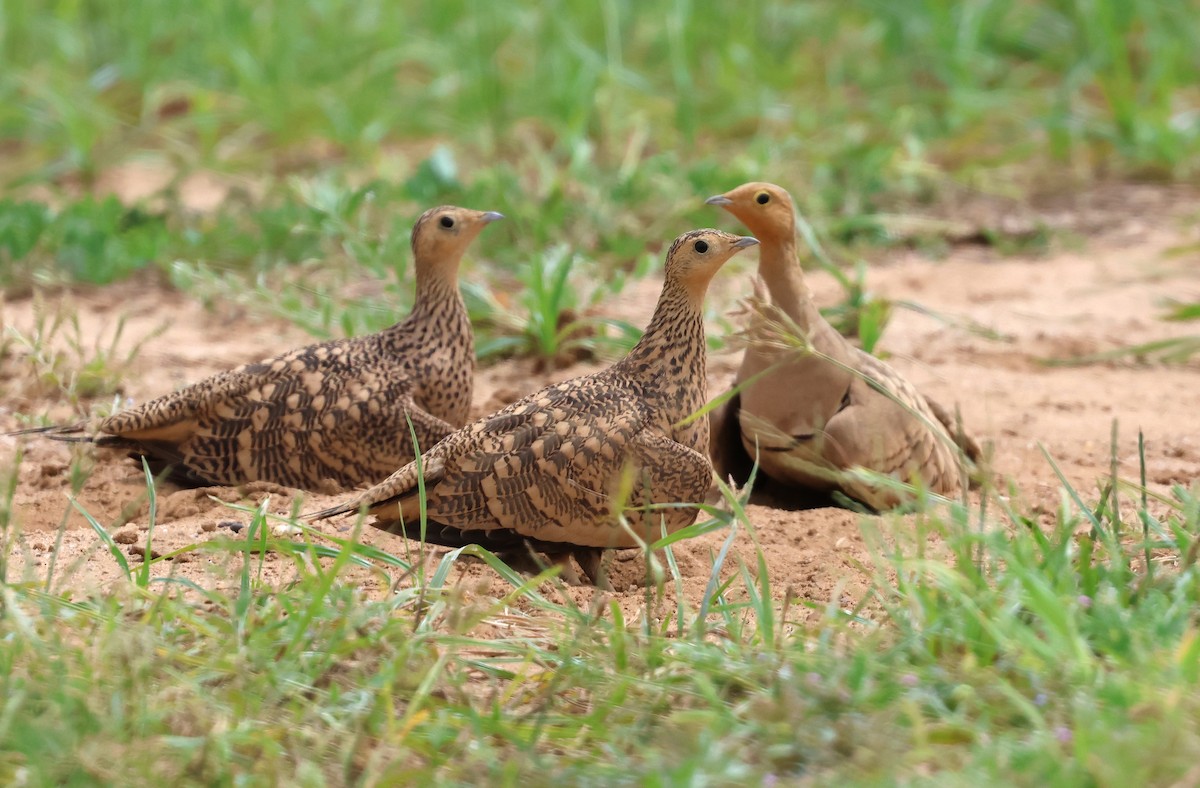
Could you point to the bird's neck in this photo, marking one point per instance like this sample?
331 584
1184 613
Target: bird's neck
669 360
438 313
780 270
435 285
677 325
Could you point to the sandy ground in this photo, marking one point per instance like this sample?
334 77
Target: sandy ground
1104 291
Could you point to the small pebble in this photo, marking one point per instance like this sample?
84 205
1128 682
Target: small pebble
285 529
126 536
208 527
232 525
139 551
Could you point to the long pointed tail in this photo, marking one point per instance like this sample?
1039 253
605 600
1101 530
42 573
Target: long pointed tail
71 433
350 506
77 433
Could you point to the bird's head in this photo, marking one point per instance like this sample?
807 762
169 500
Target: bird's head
441 235
765 209
695 257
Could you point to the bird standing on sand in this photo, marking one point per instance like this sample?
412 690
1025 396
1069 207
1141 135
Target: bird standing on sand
329 416
558 469
810 420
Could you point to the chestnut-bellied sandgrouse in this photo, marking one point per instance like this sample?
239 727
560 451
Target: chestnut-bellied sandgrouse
810 418
329 416
573 468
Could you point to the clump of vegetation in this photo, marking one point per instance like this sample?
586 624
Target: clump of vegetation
94 241
56 359
552 320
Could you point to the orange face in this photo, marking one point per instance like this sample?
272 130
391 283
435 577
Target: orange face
765 209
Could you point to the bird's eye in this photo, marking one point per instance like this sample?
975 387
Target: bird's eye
701 246
447 222
762 198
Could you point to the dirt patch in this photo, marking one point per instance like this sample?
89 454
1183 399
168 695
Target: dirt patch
1105 294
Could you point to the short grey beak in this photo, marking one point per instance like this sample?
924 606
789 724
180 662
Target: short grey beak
745 241
492 216
718 199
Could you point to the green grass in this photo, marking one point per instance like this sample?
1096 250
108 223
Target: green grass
551 319
1018 651
891 87
594 129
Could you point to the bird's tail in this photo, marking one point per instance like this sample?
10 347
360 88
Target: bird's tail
70 433
348 507
400 489
77 433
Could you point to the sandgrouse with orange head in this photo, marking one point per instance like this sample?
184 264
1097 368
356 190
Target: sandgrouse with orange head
331 416
811 419
559 470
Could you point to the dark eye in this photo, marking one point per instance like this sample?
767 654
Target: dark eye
701 246
446 222
762 198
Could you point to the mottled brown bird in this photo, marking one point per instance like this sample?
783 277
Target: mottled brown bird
808 418
558 468
327 416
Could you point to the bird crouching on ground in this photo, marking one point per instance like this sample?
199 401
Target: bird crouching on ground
559 470
323 417
817 414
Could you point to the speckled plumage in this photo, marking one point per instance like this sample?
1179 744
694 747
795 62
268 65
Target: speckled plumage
331 415
811 422
551 470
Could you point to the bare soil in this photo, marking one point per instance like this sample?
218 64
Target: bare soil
1104 290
